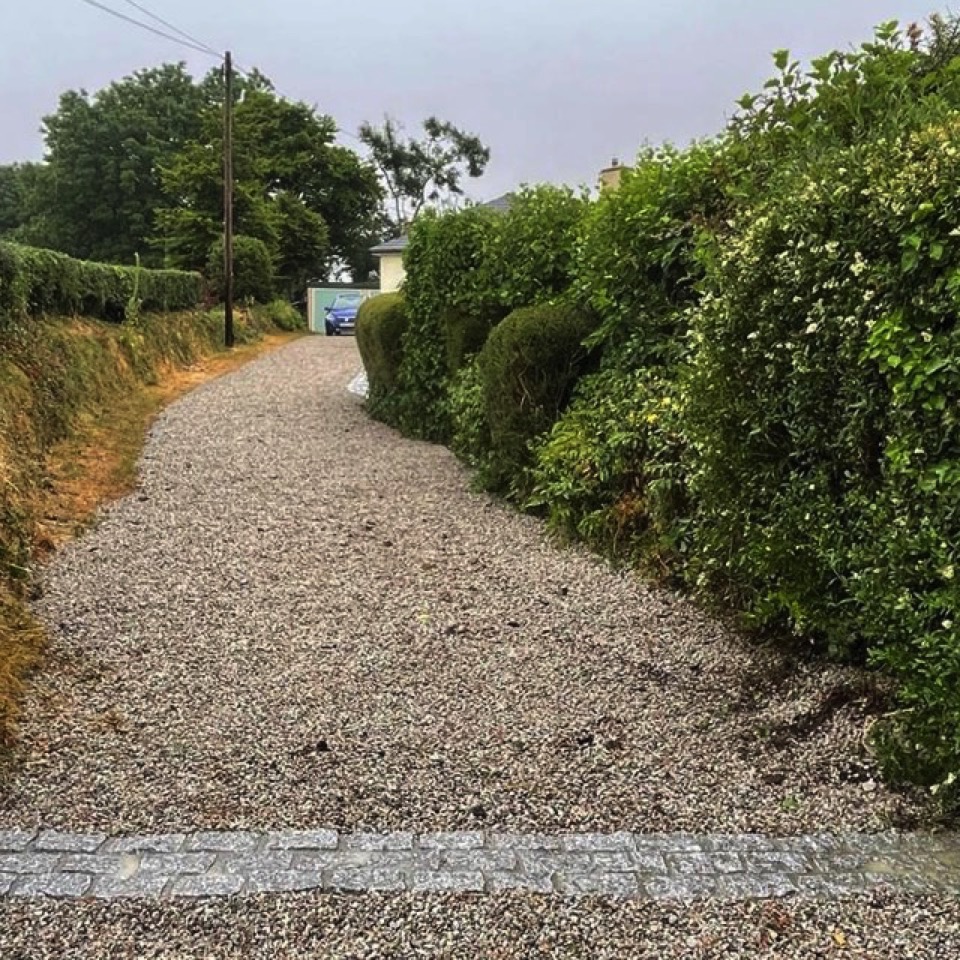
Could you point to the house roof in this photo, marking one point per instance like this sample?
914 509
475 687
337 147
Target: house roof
399 244
396 245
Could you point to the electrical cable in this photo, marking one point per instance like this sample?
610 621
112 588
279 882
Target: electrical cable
145 26
173 27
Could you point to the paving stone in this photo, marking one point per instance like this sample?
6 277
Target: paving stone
13 841
367 878
378 841
710 863
831 887
55 840
151 843
222 842
648 861
174 863
778 863
279 881
302 840
319 859
607 884
99 863
431 881
52 885
497 882
597 841
28 862
110 887
525 841
478 859
256 862
613 861
464 840
206 885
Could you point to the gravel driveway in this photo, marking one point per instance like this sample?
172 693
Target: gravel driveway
302 619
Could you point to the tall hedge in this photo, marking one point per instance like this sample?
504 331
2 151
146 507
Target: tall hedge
381 324
528 369
34 282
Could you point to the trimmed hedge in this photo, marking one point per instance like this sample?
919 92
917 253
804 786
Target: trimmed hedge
528 367
254 277
34 282
381 324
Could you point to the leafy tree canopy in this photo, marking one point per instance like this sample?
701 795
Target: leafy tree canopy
417 173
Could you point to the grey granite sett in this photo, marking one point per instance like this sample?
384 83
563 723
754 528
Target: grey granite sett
174 863
477 859
367 878
111 887
152 843
28 862
55 840
13 841
302 840
523 841
223 842
115 864
255 862
52 885
680 866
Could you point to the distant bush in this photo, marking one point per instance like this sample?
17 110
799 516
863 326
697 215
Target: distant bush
253 270
381 324
529 367
284 315
34 282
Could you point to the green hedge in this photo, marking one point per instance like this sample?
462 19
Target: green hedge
34 282
381 323
529 366
774 417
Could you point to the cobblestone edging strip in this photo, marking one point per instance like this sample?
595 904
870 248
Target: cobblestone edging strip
359 386
675 866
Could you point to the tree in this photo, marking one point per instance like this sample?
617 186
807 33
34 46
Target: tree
307 199
416 173
104 155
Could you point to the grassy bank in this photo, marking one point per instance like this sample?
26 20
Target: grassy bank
76 399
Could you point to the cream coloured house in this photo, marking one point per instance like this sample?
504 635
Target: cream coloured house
390 254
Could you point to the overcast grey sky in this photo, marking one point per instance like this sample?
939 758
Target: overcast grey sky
555 87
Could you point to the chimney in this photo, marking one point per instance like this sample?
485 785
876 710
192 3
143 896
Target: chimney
610 176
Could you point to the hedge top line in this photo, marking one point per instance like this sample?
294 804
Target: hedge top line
34 281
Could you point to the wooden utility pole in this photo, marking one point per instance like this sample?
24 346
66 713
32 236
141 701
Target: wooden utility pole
228 200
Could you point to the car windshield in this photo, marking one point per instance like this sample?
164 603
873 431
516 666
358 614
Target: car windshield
348 300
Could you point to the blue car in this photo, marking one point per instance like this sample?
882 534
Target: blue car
342 314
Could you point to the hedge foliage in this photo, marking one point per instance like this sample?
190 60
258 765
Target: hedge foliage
528 368
253 270
34 282
773 416
381 324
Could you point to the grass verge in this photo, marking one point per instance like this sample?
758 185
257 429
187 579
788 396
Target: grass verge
77 398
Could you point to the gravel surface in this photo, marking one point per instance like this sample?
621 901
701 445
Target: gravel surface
304 620
378 925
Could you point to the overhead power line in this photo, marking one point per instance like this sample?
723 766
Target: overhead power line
173 27
200 48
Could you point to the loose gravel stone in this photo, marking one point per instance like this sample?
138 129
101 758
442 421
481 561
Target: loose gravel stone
304 619
470 926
